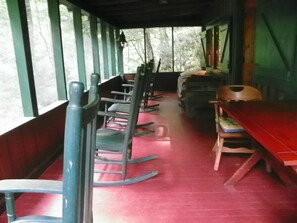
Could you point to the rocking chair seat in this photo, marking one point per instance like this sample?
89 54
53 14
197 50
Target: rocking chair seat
110 139
118 107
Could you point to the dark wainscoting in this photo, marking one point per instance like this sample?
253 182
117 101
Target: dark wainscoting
28 149
164 81
167 81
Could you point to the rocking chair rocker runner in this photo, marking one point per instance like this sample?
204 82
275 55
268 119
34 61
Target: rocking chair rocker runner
114 148
79 145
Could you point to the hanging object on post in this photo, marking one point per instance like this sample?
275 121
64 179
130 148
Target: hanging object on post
122 39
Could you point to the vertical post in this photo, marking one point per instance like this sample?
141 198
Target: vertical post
104 49
54 14
20 33
111 53
249 41
236 40
95 45
120 56
209 47
100 45
216 44
77 21
144 39
172 47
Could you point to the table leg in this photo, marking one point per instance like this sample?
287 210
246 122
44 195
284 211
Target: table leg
285 173
244 169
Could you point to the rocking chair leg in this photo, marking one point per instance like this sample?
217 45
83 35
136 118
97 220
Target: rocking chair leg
218 154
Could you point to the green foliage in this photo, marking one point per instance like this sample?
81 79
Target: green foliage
187 53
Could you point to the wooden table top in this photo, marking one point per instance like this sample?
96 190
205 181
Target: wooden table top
272 124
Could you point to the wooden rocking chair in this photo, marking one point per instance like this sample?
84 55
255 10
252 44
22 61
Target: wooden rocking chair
79 145
120 109
114 148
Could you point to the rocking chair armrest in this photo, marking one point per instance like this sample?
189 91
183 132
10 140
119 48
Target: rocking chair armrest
112 114
213 101
121 93
31 186
114 100
128 85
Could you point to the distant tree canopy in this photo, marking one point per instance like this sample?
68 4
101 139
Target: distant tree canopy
186 52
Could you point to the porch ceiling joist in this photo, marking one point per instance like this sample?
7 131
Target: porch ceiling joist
152 13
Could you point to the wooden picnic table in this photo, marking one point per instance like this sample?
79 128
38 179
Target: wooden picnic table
274 126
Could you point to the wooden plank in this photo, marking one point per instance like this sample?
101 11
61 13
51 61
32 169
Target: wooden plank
244 169
249 41
30 149
54 14
5 163
77 22
277 43
16 153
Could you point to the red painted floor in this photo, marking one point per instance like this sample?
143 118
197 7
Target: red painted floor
187 188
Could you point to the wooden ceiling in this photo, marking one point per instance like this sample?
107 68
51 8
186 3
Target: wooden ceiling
148 13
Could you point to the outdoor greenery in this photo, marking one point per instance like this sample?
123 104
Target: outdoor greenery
186 53
11 105
42 53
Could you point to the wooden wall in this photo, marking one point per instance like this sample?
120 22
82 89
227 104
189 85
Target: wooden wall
268 40
166 81
276 49
249 41
28 149
230 13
